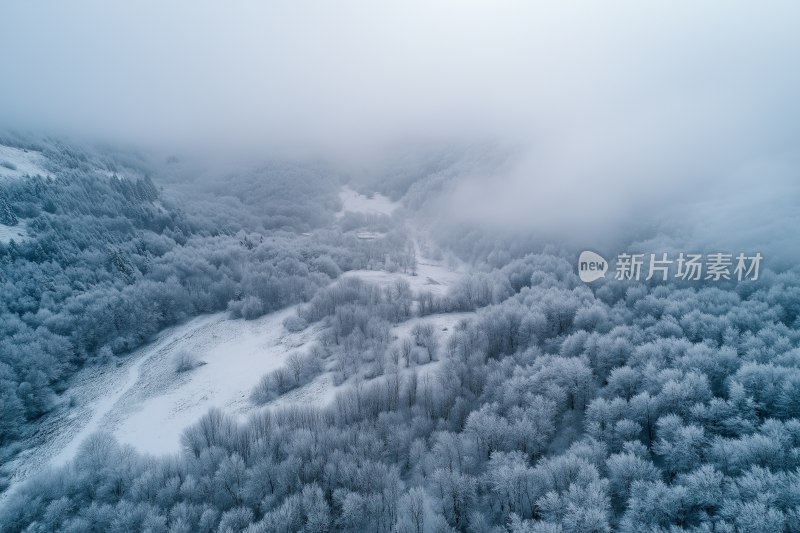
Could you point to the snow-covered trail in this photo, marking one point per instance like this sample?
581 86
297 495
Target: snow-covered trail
93 394
101 409
146 403
236 353
104 406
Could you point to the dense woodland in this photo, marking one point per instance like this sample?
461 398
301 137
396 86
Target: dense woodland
558 407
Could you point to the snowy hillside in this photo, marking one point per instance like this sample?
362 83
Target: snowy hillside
19 162
234 355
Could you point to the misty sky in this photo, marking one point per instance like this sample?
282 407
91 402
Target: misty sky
621 104
327 71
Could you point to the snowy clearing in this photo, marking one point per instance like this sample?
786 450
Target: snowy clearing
18 232
432 277
16 163
146 403
236 353
92 394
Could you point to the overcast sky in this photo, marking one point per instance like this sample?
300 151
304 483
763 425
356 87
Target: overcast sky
353 70
624 103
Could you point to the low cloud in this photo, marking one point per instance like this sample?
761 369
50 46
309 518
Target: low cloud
619 113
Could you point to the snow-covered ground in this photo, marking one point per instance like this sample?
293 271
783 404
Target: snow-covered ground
146 403
430 277
236 353
16 162
356 202
18 232
93 395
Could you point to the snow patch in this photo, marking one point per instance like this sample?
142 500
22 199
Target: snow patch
18 233
18 162
431 276
144 402
236 353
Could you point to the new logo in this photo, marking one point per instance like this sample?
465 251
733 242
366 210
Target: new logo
591 266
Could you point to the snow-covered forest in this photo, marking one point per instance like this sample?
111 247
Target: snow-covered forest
419 379
428 266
